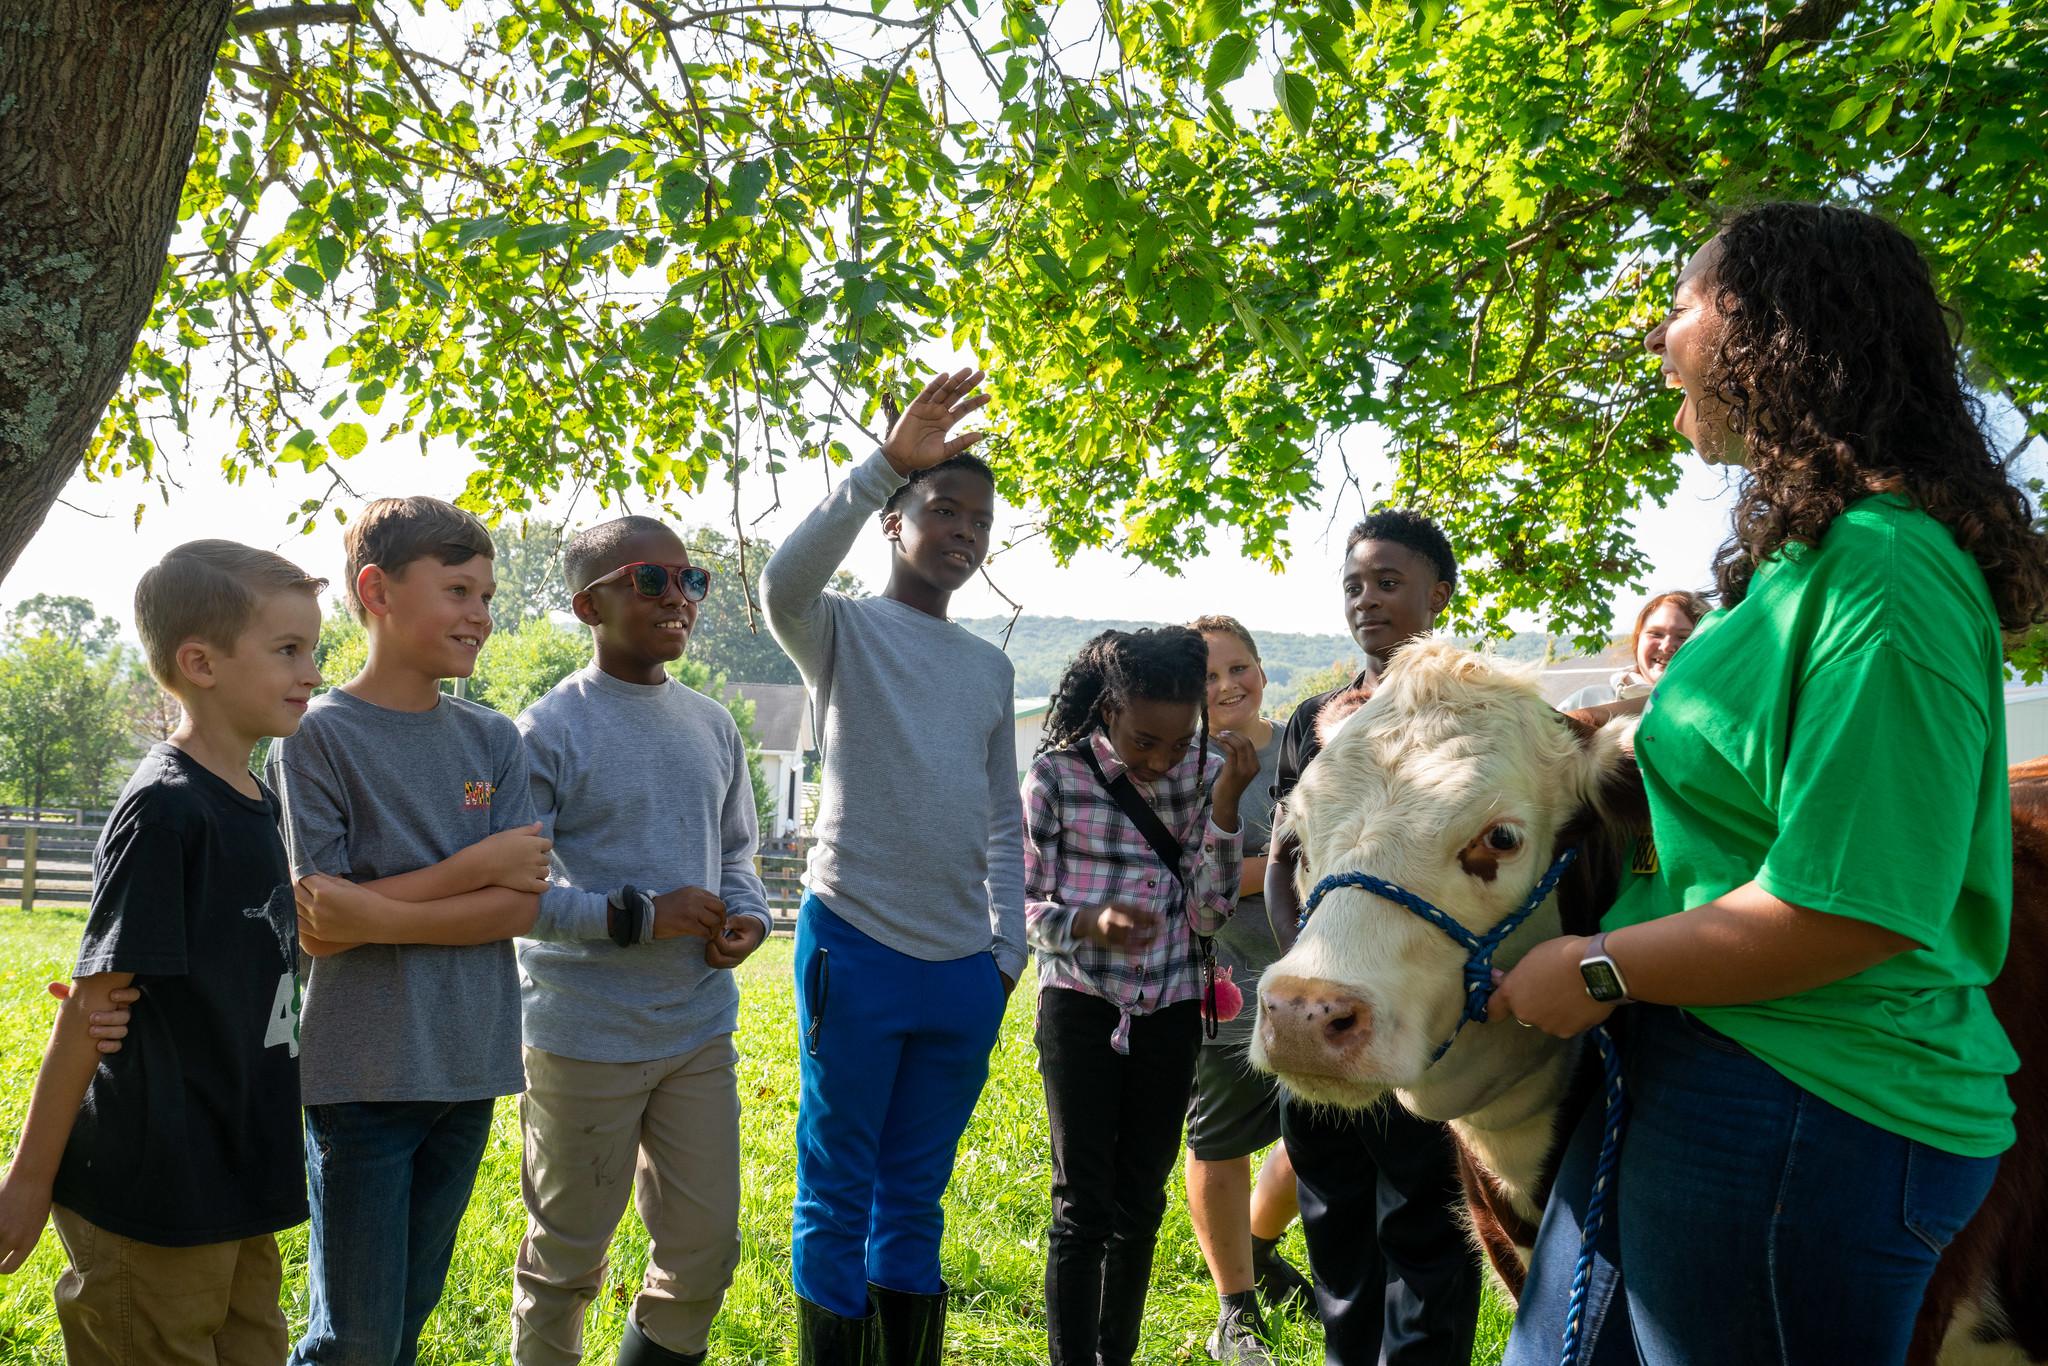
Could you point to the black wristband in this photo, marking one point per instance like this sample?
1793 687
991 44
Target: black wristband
623 916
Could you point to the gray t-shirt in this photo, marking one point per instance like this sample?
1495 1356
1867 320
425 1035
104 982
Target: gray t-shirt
920 823
642 786
1245 944
370 793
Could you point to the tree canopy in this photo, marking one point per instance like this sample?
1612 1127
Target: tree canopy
638 246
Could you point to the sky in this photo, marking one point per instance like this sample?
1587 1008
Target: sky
90 545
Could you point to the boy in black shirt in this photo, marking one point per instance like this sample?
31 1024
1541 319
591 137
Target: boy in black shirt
184 1159
1395 1276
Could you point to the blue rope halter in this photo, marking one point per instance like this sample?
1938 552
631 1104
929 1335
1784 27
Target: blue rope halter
1478 947
1478 992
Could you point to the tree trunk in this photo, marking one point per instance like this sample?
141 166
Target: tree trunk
100 102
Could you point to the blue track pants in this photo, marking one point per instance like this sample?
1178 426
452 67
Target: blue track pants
893 1053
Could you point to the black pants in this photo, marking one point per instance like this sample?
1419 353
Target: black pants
1116 1122
1396 1277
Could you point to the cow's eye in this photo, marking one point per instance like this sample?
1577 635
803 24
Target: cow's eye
1504 839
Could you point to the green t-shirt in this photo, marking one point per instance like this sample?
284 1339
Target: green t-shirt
1839 738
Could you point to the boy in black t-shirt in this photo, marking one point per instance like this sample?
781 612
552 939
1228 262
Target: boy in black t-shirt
168 1168
1396 1281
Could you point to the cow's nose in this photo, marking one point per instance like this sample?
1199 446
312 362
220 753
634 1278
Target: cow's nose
1313 1026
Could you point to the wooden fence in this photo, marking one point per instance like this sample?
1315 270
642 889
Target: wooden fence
46 854
46 858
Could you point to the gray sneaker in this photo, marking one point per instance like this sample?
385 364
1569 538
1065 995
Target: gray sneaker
1236 1340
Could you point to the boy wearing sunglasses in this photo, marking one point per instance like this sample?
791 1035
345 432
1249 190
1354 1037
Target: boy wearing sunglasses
912 931
642 784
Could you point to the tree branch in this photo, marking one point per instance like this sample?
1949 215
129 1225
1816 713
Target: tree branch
700 16
292 16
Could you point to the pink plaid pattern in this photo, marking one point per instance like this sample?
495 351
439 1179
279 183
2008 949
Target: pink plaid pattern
1081 852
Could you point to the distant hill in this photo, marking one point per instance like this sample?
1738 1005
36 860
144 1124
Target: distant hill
1041 647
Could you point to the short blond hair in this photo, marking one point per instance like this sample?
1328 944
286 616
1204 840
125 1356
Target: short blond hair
1220 625
208 590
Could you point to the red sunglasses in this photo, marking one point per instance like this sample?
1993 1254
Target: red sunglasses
651 580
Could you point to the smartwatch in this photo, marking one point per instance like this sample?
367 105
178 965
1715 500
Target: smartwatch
628 913
1604 982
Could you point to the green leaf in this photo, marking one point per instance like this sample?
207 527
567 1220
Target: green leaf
543 237
1845 111
306 280
1147 243
1626 21
332 254
348 439
727 354
579 138
596 173
867 296
1194 302
682 194
1879 112
1321 37
744 189
1227 60
1428 14
1949 20
1215 16
1297 96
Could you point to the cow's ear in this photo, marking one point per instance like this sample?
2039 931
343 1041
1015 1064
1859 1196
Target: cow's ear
1610 784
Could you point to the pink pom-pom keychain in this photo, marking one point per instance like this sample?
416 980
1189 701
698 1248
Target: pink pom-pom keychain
1229 999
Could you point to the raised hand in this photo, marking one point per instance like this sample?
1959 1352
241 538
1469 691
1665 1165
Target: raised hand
919 440
689 910
1240 764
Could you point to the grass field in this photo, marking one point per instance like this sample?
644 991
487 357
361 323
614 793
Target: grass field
996 1209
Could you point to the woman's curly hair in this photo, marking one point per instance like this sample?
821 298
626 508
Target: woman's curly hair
1840 370
1163 664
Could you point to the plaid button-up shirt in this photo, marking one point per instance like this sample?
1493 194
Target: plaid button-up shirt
1082 852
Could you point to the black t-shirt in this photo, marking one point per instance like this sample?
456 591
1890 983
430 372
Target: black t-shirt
1299 744
190 1134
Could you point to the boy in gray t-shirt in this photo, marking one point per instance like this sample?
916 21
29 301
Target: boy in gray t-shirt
630 1066
409 826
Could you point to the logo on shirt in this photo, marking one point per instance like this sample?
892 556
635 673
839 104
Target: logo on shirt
476 796
280 916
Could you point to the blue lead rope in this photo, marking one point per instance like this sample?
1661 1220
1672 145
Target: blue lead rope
1615 1102
1479 949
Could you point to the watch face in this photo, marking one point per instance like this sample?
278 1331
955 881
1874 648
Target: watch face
1603 983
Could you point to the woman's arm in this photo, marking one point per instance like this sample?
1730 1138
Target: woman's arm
1743 947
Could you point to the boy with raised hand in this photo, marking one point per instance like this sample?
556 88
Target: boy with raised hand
409 824
1396 1279
630 1066
911 934
171 1179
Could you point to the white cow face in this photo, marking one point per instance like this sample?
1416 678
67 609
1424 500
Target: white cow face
1455 782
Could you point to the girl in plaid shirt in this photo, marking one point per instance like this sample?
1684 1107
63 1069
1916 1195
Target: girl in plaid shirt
1120 984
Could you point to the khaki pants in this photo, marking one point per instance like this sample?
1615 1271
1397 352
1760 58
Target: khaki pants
121 1302
667 1131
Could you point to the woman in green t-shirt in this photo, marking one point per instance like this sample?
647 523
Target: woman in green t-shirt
1818 1095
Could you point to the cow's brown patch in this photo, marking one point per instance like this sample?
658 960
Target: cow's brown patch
1481 861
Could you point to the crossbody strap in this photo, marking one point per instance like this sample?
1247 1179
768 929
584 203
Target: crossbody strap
1132 803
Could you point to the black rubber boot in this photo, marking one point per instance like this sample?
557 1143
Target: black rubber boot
824 1338
637 1349
913 1326
1280 1285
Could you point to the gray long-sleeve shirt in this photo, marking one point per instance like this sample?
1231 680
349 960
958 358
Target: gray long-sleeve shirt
920 829
644 786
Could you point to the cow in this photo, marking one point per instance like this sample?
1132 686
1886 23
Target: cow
1454 779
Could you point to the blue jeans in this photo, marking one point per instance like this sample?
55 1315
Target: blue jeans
389 1181
1752 1221
893 1052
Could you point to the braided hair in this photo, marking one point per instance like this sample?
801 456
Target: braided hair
1160 664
